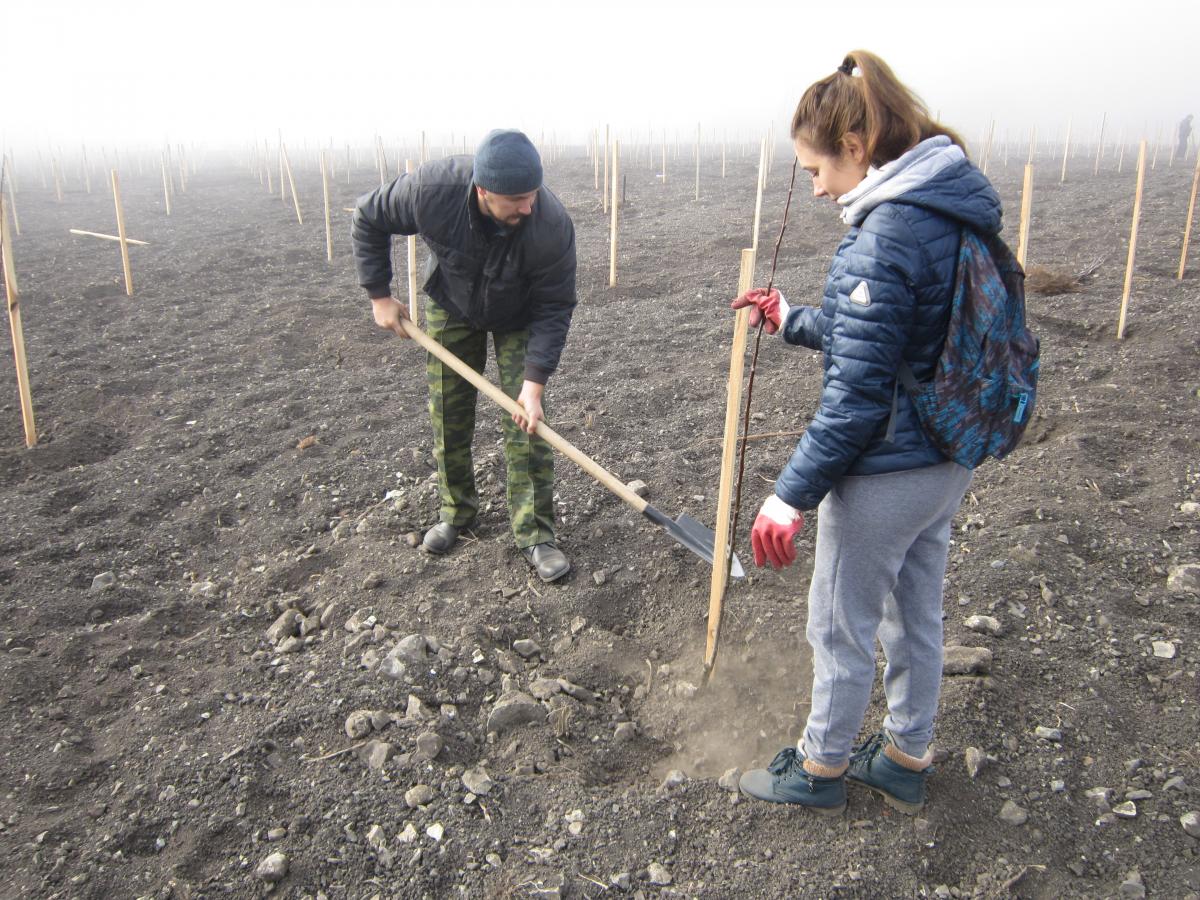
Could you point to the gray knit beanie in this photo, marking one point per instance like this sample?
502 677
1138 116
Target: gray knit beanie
507 163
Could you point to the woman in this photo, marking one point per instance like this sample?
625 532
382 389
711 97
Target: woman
885 496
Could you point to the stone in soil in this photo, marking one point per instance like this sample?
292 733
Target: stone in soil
477 781
1126 810
412 649
514 709
376 754
984 625
103 582
729 780
418 795
429 745
1184 579
624 732
1012 814
658 874
358 724
285 626
975 759
273 868
1191 823
527 648
1164 649
1048 734
967 661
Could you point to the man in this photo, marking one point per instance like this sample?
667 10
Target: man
1185 133
503 261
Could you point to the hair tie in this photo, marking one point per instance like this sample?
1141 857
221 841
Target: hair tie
846 68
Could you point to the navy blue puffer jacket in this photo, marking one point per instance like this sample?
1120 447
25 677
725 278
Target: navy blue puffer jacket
887 297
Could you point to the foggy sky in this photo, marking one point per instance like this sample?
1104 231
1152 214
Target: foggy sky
222 73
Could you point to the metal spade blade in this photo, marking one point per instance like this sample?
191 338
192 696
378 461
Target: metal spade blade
693 534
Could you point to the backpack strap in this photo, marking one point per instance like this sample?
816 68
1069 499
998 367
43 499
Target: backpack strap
904 375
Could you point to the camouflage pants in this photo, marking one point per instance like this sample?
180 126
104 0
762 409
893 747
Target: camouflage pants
529 459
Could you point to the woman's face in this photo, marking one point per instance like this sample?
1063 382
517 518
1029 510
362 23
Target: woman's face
833 176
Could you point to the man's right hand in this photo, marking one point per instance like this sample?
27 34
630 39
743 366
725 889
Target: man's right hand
388 313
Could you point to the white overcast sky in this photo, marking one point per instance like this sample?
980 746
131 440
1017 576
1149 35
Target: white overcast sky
220 72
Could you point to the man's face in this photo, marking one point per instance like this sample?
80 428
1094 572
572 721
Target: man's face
507 209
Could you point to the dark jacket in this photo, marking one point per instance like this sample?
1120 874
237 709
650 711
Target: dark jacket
492 278
903 246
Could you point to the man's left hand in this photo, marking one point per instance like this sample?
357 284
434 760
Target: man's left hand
530 400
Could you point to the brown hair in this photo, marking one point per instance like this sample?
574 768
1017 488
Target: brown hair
888 117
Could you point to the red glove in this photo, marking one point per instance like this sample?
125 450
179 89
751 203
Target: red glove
770 306
773 536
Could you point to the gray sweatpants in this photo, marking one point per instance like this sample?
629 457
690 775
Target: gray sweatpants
882 542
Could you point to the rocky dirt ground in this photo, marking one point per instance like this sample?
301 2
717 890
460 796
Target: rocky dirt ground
227 672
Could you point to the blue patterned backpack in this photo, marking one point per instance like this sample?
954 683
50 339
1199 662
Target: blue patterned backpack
985 385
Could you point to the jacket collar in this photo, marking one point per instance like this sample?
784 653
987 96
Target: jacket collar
898 177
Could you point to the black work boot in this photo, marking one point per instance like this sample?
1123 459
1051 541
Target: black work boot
441 537
547 560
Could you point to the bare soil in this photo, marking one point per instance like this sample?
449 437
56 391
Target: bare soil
155 743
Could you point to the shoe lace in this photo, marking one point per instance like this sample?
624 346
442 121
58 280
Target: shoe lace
785 760
868 749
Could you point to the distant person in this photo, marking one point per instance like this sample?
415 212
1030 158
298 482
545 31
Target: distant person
1185 134
884 496
503 263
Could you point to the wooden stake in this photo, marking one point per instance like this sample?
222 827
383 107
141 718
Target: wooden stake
1100 144
595 159
1121 152
412 263
57 178
733 401
328 221
18 332
697 161
987 148
107 237
1187 230
1066 148
1133 231
762 165
607 151
87 174
1032 145
283 158
167 183
266 165
7 173
1026 208
612 240
664 158
116 189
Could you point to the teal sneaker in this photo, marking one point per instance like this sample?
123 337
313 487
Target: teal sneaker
901 789
785 780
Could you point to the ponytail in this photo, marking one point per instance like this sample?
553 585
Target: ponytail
888 117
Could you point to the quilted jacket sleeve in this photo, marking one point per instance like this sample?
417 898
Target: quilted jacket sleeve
387 210
552 302
803 327
867 340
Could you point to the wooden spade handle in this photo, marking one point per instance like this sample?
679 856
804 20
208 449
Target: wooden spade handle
544 431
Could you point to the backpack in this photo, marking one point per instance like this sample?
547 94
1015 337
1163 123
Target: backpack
984 387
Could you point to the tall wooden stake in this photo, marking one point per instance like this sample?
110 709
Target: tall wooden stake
7 173
1100 144
1026 209
733 401
607 151
1066 148
697 160
762 176
1187 230
612 240
167 183
18 332
116 189
1133 231
283 157
328 221
58 193
412 263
